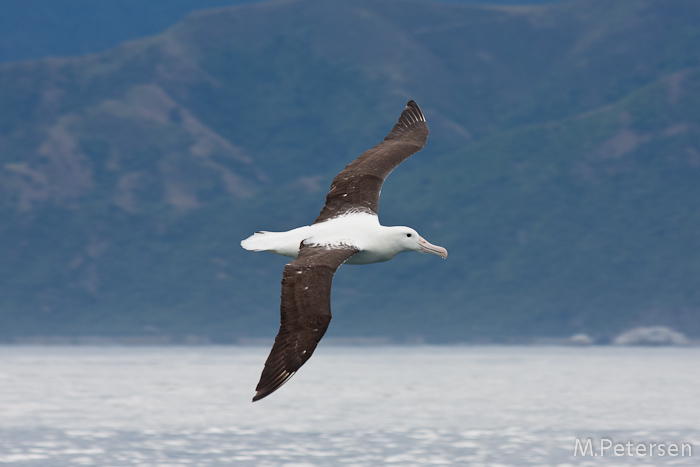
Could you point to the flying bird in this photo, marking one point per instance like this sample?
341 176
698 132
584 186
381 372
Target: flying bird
346 231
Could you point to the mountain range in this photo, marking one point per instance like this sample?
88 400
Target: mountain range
561 171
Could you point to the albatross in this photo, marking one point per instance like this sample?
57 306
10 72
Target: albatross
346 231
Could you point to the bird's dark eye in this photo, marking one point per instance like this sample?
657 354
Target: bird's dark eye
408 235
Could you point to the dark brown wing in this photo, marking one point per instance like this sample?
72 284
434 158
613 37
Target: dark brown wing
357 187
305 312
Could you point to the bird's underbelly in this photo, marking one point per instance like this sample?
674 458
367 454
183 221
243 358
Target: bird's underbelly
361 257
290 248
368 257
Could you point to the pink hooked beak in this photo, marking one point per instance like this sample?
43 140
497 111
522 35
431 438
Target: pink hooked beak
427 247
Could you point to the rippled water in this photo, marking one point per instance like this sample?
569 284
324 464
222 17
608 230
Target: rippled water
404 406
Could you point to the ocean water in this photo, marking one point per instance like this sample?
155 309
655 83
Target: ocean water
350 406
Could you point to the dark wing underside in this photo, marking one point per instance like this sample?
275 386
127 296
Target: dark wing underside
357 187
305 312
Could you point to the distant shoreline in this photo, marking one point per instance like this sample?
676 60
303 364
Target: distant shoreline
350 341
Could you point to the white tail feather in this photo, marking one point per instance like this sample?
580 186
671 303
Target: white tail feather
259 241
281 243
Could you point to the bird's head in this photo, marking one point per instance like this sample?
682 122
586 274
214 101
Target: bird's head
411 241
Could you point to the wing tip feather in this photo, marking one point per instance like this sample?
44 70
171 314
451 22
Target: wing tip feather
269 388
411 118
415 111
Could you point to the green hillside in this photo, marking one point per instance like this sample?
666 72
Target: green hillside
560 172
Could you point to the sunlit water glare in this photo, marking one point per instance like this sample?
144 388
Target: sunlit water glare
348 406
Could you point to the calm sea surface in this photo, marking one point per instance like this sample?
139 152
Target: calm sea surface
349 406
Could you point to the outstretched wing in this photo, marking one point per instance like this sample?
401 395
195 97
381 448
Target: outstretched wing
305 312
357 187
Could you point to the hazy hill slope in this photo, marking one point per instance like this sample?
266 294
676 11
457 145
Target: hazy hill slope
34 29
597 213
559 173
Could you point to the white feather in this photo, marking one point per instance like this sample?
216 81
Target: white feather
360 230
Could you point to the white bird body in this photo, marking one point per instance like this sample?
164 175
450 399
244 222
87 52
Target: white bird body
376 242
